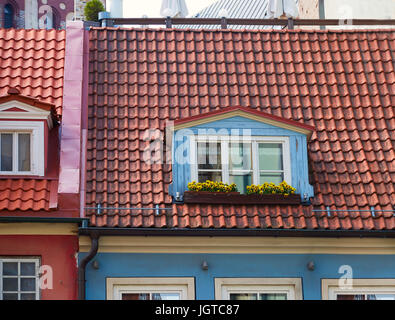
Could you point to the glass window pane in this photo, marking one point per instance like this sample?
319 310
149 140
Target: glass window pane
10 296
212 176
243 296
276 178
28 296
241 179
270 156
10 284
240 156
28 269
10 268
272 296
166 296
350 297
6 152
209 155
135 296
28 284
381 296
24 152
8 16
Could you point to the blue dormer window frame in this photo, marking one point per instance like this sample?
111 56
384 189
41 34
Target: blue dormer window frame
229 165
241 123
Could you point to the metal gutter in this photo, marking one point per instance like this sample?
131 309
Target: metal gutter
237 232
94 235
16 219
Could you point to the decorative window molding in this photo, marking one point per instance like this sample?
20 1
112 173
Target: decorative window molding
358 289
173 288
17 110
37 148
247 113
288 288
253 142
19 278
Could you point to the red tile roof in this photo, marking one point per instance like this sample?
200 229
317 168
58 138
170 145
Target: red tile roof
340 82
28 194
33 61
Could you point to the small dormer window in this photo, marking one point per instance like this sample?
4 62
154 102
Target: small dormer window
15 152
243 146
254 160
24 127
21 148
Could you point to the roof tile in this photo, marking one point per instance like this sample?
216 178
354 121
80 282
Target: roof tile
340 82
33 61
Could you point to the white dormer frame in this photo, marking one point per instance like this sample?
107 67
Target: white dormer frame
37 148
27 112
19 123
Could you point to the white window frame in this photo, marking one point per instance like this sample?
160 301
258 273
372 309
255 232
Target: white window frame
332 287
118 286
37 150
254 140
36 261
292 287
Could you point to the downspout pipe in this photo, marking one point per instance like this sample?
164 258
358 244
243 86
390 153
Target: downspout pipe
84 262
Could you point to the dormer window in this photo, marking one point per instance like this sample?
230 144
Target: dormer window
243 146
24 126
15 152
243 161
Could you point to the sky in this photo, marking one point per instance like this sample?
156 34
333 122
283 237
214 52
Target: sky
151 8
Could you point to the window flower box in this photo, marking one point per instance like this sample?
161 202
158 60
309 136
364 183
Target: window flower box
208 197
219 193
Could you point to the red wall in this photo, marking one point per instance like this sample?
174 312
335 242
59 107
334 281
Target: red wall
59 252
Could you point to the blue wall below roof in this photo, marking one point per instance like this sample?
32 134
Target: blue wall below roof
297 142
233 265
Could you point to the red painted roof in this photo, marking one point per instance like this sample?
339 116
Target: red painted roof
31 71
342 83
28 194
33 61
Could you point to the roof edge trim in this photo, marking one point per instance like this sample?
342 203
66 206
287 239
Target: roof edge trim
246 113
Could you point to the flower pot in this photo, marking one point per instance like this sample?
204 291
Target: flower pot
207 197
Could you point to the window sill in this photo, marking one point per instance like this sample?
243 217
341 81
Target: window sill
206 197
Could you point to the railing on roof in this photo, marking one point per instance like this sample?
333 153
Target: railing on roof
225 22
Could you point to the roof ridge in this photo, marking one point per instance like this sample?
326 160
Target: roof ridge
378 30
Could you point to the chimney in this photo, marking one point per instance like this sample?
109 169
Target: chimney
115 7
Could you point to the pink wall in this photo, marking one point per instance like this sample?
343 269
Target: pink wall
74 103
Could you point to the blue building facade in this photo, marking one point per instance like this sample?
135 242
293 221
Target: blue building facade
311 269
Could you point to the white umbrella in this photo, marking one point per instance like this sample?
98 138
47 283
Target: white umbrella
277 8
174 8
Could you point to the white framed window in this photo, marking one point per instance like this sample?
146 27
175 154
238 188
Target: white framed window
19 278
22 148
150 288
241 160
358 289
258 289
